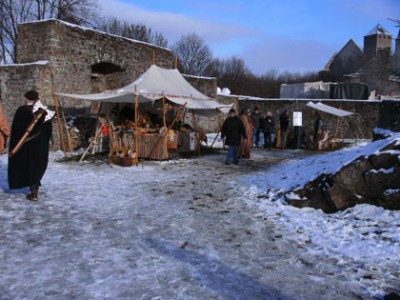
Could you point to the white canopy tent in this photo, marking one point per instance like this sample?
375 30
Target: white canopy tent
329 109
155 84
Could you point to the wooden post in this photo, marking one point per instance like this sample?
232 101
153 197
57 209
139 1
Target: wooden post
219 129
337 126
70 146
136 126
56 104
164 112
177 62
154 56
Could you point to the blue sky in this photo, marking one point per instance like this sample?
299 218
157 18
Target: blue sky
282 35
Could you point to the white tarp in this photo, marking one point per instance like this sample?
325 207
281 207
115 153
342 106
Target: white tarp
310 90
155 83
329 109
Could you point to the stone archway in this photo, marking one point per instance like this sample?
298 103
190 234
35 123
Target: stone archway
106 76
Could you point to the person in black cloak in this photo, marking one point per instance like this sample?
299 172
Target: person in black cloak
27 166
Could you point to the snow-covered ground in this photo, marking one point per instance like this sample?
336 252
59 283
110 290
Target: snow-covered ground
193 229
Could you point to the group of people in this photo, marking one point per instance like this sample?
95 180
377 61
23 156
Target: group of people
29 138
243 132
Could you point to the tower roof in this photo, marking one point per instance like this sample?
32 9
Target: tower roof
378 29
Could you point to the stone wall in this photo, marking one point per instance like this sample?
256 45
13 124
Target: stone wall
359 125
85 61
56 56
206 85
15 80
389 118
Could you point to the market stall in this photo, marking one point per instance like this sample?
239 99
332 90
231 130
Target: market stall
146 117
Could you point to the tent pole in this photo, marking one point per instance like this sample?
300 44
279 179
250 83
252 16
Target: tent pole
56 104
164 112
154 56
136 126
337 126
219 129
176 62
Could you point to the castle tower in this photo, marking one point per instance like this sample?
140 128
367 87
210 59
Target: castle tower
375 40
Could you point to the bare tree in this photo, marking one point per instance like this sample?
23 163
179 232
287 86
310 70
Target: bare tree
138 32
13 12
194 54
160 40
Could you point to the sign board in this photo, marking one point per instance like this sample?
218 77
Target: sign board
192 141
297 118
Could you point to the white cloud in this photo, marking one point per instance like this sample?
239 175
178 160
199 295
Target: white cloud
171 25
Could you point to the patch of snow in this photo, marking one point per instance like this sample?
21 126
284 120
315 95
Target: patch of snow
384 132
40 62
384 171
391 191
294 196
393 152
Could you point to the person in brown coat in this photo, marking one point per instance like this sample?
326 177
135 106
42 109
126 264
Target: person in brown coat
246 144
4 129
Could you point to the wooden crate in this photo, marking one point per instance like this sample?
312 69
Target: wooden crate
153 146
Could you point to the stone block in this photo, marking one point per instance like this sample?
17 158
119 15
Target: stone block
352 177
378 181
384 160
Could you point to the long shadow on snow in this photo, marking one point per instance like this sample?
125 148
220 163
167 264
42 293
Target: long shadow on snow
4 181
223 280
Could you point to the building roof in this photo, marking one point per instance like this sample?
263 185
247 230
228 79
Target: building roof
378 29
350 47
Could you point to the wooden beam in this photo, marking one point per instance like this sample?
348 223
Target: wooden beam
56 104
154 56
136 126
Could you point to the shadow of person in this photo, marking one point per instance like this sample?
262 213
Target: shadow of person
215 275
4 180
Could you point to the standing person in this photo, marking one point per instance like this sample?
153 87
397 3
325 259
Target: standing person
246 144
4 129
256 119
268 128
233 131
103 139
284 123
27 166
318 136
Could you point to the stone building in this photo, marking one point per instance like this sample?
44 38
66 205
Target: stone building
377 65
346 61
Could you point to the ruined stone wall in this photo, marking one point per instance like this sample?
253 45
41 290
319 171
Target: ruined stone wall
79 56
359 125
56 56
389 115
206 85
15 80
